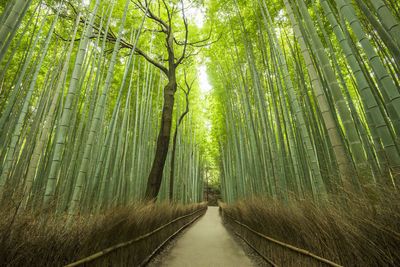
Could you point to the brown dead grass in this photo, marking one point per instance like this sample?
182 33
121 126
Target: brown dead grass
349 230
40 240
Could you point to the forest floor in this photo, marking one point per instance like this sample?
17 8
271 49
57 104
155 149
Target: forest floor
206 243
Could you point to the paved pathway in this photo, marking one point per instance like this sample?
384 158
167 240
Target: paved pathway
207 243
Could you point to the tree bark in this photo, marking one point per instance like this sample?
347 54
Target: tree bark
156 173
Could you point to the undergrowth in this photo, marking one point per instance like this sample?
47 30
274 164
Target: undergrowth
350 230
41 240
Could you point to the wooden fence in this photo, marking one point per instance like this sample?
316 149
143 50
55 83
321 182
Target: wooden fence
273 251
139 251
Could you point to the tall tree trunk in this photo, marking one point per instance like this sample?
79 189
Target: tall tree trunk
156 173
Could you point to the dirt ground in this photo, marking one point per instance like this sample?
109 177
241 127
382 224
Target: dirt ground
206 243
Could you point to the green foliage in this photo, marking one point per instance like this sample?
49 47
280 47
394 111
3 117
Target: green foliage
262 129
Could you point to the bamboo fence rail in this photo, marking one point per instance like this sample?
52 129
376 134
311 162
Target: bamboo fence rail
106 251
277 242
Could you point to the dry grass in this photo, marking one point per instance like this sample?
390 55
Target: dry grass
349 230
39 240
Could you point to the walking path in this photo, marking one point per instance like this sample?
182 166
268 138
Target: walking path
207 243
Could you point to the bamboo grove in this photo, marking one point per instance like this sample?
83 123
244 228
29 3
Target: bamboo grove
80 109
310 97
306 100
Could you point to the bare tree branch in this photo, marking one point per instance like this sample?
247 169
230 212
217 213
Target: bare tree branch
186 36
152 61
189 87
150 14
199 43
165 27
168 13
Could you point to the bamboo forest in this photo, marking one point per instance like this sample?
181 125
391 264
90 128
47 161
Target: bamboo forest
199 133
